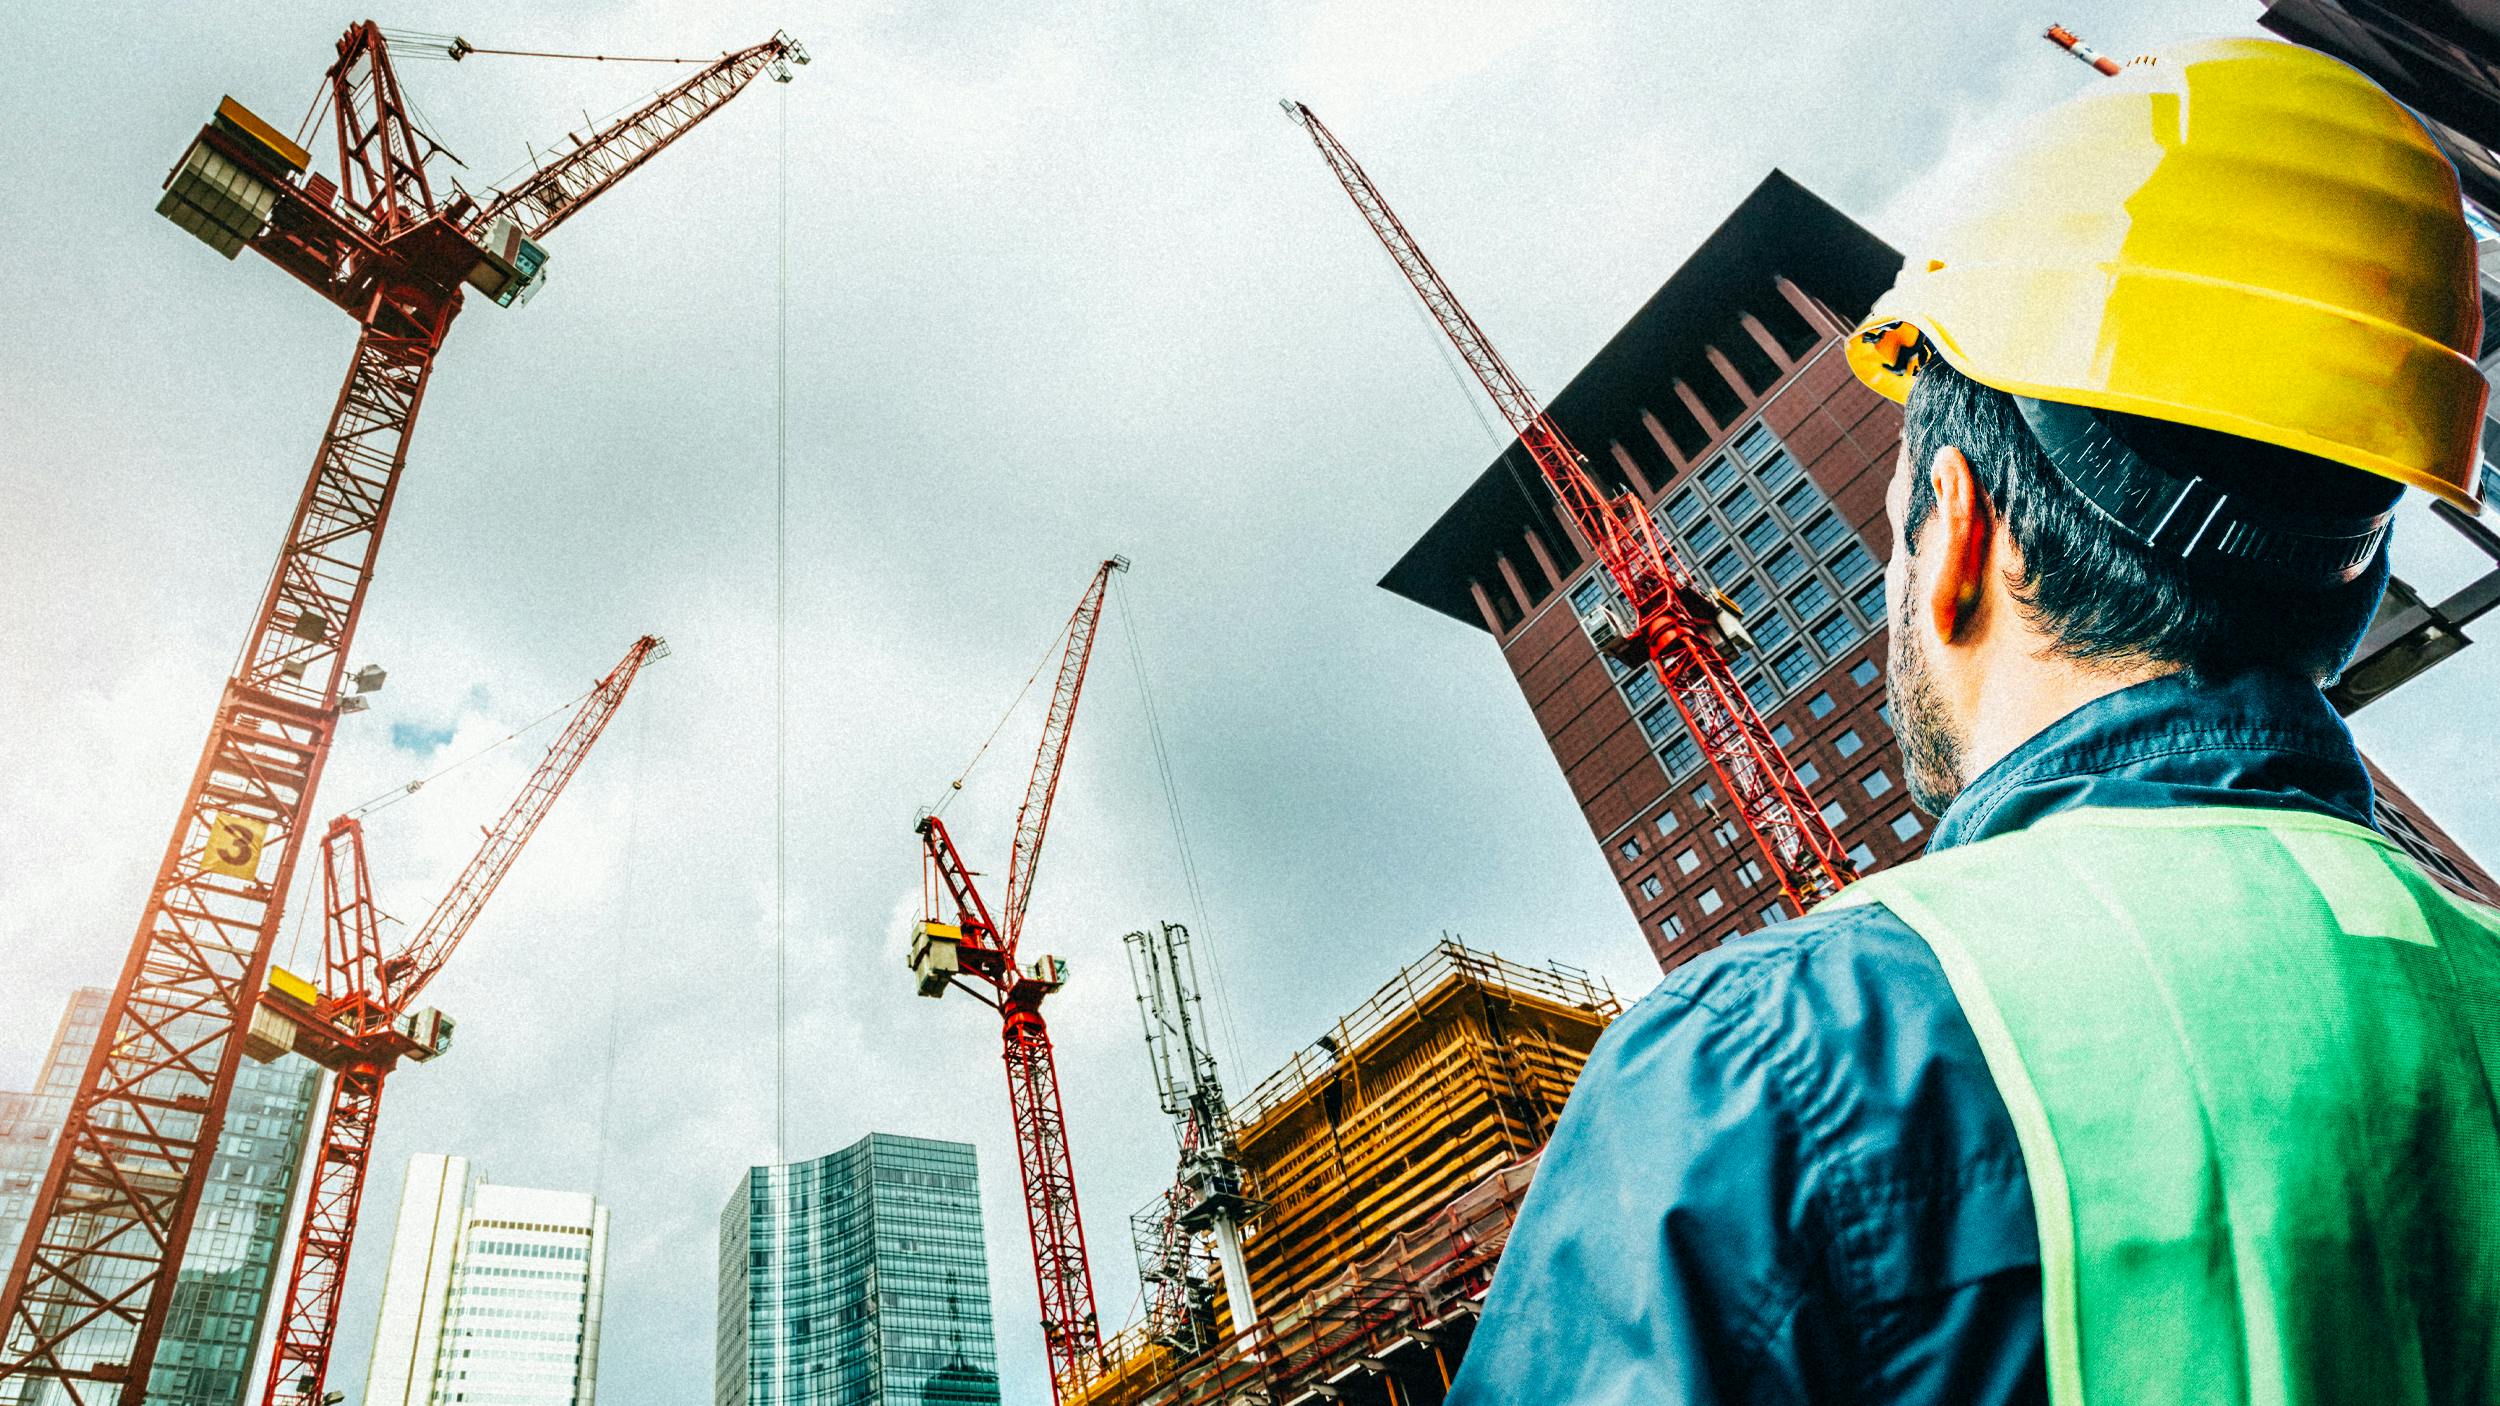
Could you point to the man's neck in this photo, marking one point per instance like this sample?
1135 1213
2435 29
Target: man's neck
2026 698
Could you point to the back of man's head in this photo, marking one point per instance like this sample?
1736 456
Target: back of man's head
2105 598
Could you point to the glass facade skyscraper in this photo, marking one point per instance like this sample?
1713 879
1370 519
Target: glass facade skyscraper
231 1266
857 1279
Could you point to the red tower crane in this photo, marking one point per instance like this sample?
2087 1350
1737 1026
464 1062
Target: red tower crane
976 946
1668 626
89 1289
364 1021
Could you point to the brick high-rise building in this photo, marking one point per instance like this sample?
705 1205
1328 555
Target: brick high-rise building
1725 403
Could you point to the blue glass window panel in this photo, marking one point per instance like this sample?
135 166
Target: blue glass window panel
1870 601
1779 471
1586 595
1760 692
1864 673
1683 508
1718 478
1750 596
1756 442
1740 505
1772 629
1785 567
1800 502
1659 721
1680 755
1794 667
1824 533
1726 566
1810 597
1763 534
1641 687
1836 633
1703 536
1852 564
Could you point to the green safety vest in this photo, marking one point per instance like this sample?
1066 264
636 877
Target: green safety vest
2250 1057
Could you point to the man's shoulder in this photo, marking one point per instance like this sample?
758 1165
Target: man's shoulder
1849 1022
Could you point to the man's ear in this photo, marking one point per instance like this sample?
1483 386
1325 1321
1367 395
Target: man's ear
1964 532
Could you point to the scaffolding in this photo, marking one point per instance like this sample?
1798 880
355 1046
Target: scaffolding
1391 1154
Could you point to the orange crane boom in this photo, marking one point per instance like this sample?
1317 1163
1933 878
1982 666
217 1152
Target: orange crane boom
1664 619
88 1292
975 945
365 1023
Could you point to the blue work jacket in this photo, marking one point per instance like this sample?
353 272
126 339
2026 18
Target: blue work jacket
1785 1175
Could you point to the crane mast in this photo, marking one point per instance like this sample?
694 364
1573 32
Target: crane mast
976 948
1665 628
364 1024
86 1297
1210 1195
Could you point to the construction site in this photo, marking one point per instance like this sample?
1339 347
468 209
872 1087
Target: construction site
696 977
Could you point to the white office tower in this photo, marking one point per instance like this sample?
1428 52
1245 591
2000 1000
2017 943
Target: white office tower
493 1294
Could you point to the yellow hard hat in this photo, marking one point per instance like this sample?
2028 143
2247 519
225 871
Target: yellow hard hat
2236 234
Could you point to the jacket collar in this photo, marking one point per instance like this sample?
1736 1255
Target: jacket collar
2259 739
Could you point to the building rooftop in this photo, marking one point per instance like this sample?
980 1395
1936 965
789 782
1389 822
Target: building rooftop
1624 395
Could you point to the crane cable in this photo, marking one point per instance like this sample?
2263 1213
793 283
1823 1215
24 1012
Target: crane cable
1180 834
955 787
452 48
781 655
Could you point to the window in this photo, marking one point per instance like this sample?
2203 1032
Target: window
1776 913
1783 734
1725 833
1836 633
1688 861
1809 773
1863 673
1710 902
1884 711
1703 536
1800 502
1786 567
1825 533
1749 595
1794 667
1776 474
1666 822
1905 825
1832 813
1651 887
1749 873
1759 692
1683 508
1718 478
1762 535
1870 601
1671 926
1680 755
1642 687
1771 630
1706 796
1586 595
1756 441
1631 848
1852 563
1810 597
1875 782
1863 856
1741 505
1659 721
1726 566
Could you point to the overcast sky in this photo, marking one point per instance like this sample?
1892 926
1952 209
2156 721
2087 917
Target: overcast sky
1063 282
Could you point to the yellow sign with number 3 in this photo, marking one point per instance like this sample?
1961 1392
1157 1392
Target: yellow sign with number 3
234 843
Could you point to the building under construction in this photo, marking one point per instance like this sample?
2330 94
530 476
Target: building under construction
1389 1157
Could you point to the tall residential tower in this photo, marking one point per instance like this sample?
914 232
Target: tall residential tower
493 1296
857 1279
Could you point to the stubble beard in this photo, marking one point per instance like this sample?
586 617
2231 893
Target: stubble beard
1931 747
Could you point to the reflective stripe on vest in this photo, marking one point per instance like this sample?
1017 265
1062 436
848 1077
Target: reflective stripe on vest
2250 1058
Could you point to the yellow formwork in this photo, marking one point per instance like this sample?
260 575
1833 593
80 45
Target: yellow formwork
1447 1080
1457 1067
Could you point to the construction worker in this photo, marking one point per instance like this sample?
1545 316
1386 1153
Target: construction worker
2162 1078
